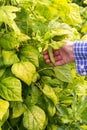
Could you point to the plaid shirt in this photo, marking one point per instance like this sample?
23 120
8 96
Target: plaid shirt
80 54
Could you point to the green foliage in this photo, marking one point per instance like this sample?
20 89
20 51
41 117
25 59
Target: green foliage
34 95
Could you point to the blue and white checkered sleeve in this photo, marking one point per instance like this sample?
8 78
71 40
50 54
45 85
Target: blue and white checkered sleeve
80 54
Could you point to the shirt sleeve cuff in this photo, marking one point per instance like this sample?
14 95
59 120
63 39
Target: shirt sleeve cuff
80 55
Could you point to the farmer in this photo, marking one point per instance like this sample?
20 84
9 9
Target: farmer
70 52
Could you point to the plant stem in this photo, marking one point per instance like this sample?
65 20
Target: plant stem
50 68
10 127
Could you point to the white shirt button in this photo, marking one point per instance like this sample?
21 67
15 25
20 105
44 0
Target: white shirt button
82 66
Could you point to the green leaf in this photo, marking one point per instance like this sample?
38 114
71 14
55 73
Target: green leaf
50 93
82 105
9 57
34 95
1 62
24 71
54 82
2 70
5 117
84 28
34 118
4 105
8 15
9 41
63 112
63 73
30 53
52 127
10 89
18 109
51 109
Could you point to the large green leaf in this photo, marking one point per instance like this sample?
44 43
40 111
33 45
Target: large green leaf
50 93
18 109
8 15
24 71
10 89
34 118
29 53
4 105
9 41
9 57
63 73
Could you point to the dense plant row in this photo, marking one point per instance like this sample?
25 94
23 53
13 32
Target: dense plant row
34 95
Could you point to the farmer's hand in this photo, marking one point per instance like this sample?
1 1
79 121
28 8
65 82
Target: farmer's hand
62 56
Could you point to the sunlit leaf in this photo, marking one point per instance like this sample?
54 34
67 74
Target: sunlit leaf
74 16
62 7
24 71
50 93
63 73
81 89
8 15
5 117
4 105
9 57
30 53
10 89
34 118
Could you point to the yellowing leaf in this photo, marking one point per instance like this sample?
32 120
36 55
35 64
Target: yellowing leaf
4 105
30 53
74 16
24 71
62 7
10 89
84 37
50 93
85 1
34 118
9 57
84 126
5 117
81 88
7 16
